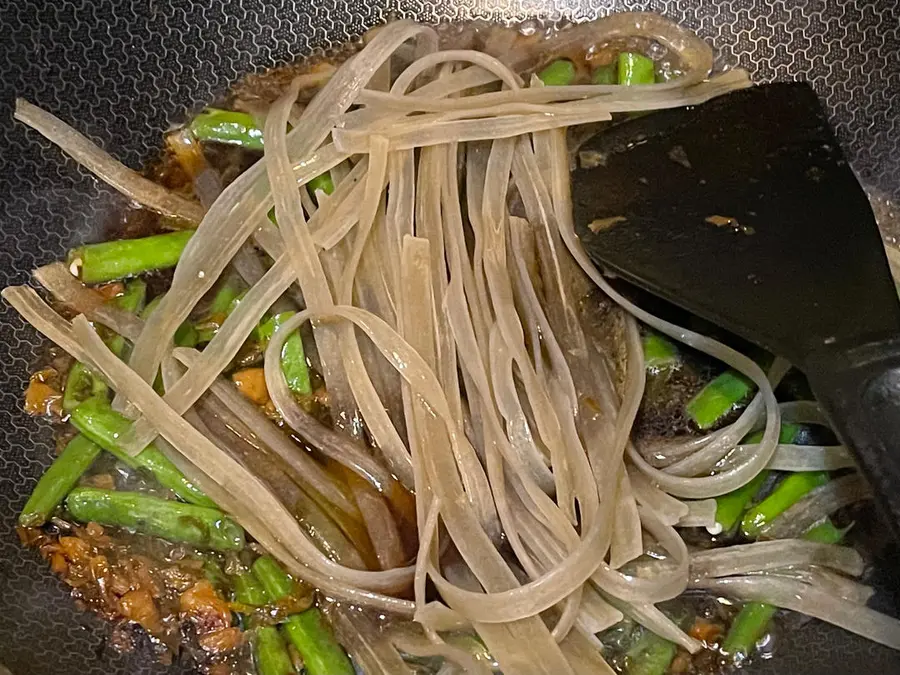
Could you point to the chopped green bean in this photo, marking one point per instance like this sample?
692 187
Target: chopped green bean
558 74
731 507
312 637
636 69
307 630
659 353
718 398
751 622
787 493
198 526
789 433
293 356
121 258
248 590
748 627
224 298
650 655
826 532
608 74
185 336
226 126
58 480
270 652
321 182
276 581
81 384
104 426
132 300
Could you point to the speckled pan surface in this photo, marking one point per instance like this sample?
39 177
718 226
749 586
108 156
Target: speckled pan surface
123 71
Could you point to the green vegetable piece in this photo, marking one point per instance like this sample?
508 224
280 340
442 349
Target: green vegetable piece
134 297
558 74
307 631
608 74
312 637
80 382
82 385
321 182
226 126
58 480
224 298
789 433
718 398
730 507
788 492
104 426
198 526
747 629
277 583
270 653
248 590
650 655
227 297
636 69
659 353
123 258
132 300
752 621
185 336
826 532
293 356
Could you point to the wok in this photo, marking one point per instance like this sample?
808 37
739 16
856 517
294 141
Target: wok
123 72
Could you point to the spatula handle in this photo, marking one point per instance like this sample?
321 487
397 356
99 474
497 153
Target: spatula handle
860 392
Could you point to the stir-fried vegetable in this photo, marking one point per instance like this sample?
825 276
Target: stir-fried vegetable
270 652
122 258
307 630
788 492
198 526
650 655
718 399
248 590
132 300
634 68
82 385
659 353
730 508
99 422
558 74
58 480
226 126
751 623
608 74
293 357
321 182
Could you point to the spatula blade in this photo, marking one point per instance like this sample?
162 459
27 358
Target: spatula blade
745 212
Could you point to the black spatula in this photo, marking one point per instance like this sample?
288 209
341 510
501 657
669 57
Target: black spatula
745 212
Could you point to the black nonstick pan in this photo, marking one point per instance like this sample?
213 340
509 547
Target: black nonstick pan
125 71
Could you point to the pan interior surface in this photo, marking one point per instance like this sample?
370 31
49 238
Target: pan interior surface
126 72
